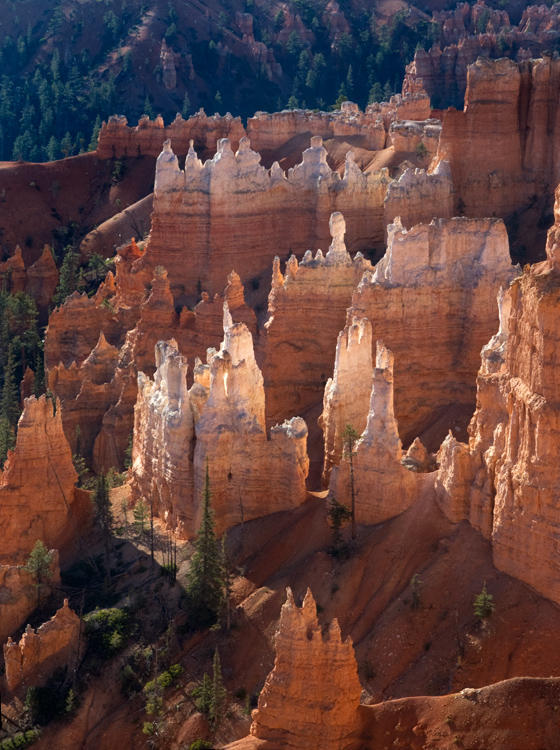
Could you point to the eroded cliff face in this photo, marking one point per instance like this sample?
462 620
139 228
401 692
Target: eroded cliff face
513 105
373 464
38 654
220 419
450 268
311 697
224 235
505 480
306 311
18 594
37 485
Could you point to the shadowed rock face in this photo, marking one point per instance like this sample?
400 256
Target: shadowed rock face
311 697
38 654
37 486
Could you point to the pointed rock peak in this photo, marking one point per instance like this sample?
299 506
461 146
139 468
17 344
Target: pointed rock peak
277 276
504 308
109 282
319 255
316 141
192 152
228 320
384 358
167 147
292 266
417 451
307 258
276 172
244 145
160 273
16 261
234 292
337 226
224 146
334 632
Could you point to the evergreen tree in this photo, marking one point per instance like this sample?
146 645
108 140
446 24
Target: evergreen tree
103 513
9 403
69 276
483 604
148 108
141 514
39 564
95 134
375 93
203 695
350 437
186 106
7 439
226 580
204 589
218 700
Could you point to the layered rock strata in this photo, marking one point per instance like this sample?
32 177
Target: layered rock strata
513 105
306 311
219 420
419 196
223 234
311 697
384 486
435 331
505 481
38 654
37 485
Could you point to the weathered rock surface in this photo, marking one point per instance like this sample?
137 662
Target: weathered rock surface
222 234
250 474
306 311
42 279
37 485
311 697
419 196
18 594
38 654
514 105
435 332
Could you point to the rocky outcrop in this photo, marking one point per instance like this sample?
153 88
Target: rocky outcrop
306 311
250 474
18 594
37 485
505 481
117 140
38 654
434 332
42 279
513 105
348 392
12 272
311 697
419 196
223 234
168 61
385 487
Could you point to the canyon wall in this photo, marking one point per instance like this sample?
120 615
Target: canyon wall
189 207
37 484
431 299
311 697
513 105
506 480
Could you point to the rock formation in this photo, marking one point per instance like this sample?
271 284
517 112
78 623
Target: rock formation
18 594
307 305
513 105
505 481
435 334
13 272
385 487
37 485
311 697
38 654
42 279
250 474
222 234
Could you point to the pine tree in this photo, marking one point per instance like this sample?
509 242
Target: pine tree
141 513
375 93
350 437
226 580
203 695
39 564
69 277
218 700
95 134
204 589
9 403
7 440
186 106
484 605
103 513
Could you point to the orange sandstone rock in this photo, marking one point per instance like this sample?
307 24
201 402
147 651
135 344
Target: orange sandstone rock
37 485
42 279
310 699
38 654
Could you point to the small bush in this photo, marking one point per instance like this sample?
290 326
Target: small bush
20 741
483 605
202 745
107 631
44 704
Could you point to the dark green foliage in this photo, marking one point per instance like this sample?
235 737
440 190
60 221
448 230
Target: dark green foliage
141 513
21 741
47 703
203 695
202 745
205 587
69 278
107 631
416 586
484 604
39 565
338 513
219 695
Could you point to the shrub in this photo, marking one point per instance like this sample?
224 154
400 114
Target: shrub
20 741
201 745
44 704
107 631
483 605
